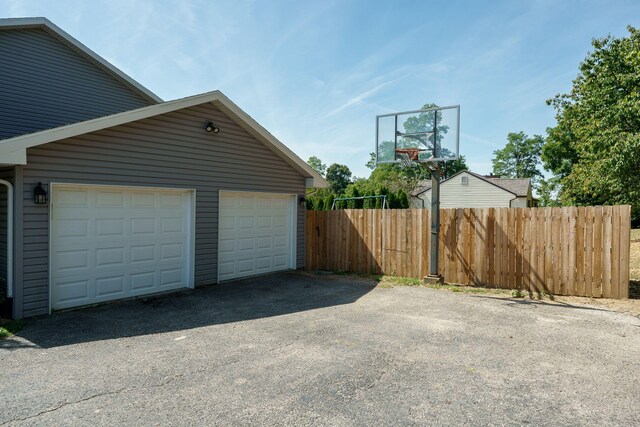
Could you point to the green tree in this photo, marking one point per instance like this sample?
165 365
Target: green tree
594 149
338 177
317 165
452 167
520 158
548 192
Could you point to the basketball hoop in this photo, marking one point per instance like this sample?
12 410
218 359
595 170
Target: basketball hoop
409 156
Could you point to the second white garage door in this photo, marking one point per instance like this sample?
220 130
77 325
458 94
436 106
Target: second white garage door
257 234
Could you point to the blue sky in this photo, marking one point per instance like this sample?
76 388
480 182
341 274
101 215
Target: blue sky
316 73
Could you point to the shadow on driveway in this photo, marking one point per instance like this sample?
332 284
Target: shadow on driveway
236 301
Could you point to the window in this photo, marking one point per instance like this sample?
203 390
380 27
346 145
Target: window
465 180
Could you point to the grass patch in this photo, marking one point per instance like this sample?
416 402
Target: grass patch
9 327
392 281
385 281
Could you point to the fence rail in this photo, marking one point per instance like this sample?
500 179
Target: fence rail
581 251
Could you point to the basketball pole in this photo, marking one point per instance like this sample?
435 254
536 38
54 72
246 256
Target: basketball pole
434 277
435 222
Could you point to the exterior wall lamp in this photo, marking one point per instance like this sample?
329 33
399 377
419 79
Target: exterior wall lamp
39 195
210 127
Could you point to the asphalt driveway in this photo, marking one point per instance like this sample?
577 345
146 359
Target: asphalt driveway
297 349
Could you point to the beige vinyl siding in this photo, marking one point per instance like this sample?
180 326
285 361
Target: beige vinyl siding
44 84
519 202
170 150
476 194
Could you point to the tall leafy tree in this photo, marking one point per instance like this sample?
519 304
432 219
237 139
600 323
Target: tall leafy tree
594 149
452 167
520 158
317 165
338 177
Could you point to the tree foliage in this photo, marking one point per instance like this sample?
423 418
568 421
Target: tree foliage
317 165
520 158
338 177
395 181
594 149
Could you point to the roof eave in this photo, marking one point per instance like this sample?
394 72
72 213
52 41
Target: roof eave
23 142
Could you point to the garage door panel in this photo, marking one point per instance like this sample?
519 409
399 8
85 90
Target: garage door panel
143 253
69 228
72 291
170 277
255 234
110 286
142 200
143 226
73 259
109 199
72 198
246 265
172 225
109 227
110 257
122 243
143 281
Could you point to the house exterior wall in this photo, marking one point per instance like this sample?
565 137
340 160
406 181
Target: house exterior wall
44 84
476 194
519 202
170 150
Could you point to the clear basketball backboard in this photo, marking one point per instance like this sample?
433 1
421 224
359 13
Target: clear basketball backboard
435 131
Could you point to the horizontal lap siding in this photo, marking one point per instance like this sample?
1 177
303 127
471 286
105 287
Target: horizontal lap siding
44 83
171 150
477 193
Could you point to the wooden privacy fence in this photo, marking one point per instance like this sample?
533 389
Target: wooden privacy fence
581 251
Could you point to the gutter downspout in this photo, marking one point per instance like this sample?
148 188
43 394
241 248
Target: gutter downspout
9 237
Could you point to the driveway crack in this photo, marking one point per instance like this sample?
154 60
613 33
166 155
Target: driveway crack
62 405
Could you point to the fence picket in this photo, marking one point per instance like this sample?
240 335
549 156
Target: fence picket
574 251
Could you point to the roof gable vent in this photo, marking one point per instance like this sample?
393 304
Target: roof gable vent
464 180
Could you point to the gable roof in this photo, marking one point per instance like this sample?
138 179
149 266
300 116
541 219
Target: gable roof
11 146
519 187
84 51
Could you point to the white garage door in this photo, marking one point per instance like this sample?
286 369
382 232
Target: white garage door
114 242
257 234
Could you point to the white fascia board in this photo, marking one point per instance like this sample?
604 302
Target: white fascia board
53 29
17 157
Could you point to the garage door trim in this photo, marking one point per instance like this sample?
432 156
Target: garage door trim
191 246
293 224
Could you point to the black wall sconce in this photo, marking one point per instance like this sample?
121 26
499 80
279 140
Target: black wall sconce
39 195
302 201
210 127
